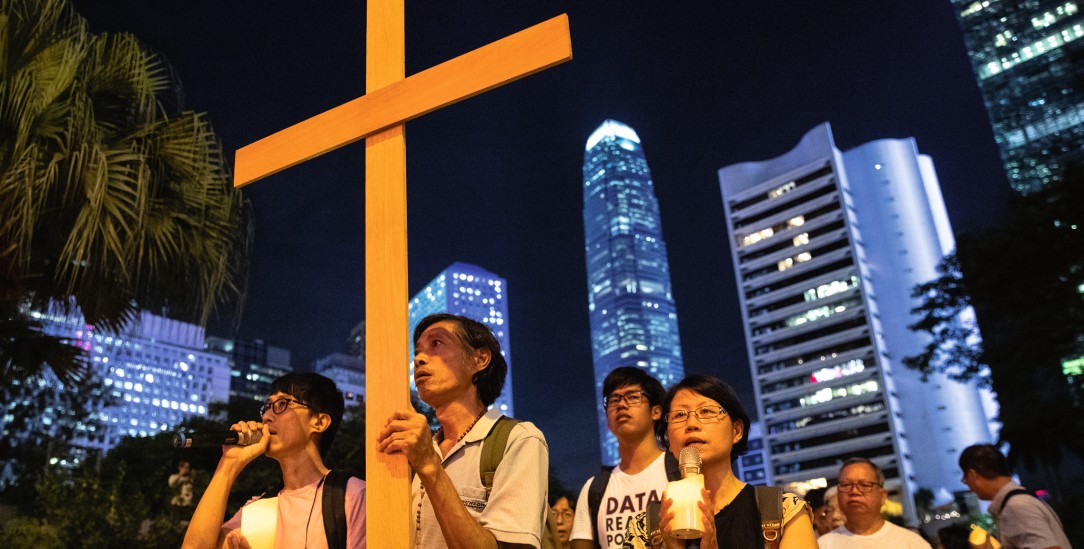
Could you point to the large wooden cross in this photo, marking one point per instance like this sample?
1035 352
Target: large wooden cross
378 117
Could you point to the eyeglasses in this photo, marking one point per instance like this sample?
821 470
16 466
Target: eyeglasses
632 398
705 414
861 487
279 406
566 514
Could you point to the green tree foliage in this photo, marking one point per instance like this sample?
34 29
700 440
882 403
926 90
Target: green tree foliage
1024 280
112 197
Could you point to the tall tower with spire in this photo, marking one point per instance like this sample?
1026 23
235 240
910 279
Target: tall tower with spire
631 307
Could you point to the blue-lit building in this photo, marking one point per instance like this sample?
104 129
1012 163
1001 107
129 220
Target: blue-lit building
156 371
752 467
1028 57
470 291
826 247
253 366
348 373
630 304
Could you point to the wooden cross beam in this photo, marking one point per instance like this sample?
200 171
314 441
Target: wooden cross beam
378 117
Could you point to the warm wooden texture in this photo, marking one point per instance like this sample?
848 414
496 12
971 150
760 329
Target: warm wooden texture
378 117
387 386
395 101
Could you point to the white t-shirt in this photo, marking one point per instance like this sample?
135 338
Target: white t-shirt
889 535
303 506
625 496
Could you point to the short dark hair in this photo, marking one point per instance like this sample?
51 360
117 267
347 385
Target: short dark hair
877 471
556 496
954 536
625 376
321 396
474 335
717 390
986 460
815 498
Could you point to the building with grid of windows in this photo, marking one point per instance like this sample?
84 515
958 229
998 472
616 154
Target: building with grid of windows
348 373
752 467
253 366
470 291
156 373
1028 58
826 249
630 304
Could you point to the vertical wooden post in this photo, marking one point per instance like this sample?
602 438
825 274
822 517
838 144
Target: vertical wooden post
386 382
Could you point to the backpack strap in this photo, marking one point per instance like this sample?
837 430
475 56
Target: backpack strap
493 447
333 503
770 504
594 498
673 468
1014 493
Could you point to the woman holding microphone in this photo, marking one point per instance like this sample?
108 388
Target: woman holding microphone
704 412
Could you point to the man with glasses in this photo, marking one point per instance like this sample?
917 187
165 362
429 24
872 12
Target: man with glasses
1023 520
298 424
609 500
861 496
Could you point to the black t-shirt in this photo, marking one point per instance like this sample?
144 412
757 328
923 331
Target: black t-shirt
737 526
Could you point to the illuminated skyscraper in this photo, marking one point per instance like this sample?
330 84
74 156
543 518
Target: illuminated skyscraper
826 249
1028 58
156 372
631 308
470 291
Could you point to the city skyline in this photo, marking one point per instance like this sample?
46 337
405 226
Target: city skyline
496 180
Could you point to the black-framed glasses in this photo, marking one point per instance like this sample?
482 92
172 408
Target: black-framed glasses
861 487
632 398
279 406
705 414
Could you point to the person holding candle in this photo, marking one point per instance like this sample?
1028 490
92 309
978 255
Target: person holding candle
704 412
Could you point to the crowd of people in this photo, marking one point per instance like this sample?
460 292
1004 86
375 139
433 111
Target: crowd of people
464 497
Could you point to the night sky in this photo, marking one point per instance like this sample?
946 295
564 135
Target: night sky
496 180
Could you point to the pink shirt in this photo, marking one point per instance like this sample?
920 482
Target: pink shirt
303 506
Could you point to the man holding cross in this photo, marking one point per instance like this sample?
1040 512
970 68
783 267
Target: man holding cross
459 371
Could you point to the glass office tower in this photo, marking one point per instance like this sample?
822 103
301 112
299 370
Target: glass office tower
470 291
631 308
826 249
1028 58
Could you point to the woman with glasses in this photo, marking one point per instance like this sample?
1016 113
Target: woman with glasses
703 411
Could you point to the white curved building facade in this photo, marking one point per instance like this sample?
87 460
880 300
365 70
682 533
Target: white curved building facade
827 247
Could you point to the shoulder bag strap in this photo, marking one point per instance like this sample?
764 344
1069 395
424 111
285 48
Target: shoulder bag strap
770 504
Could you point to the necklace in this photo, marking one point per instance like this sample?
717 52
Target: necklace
440 432
421 497
313 506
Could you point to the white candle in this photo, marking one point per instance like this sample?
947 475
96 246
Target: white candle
688 520
259 521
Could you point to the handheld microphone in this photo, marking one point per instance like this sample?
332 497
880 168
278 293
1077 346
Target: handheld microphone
689 461
688 521
218 438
